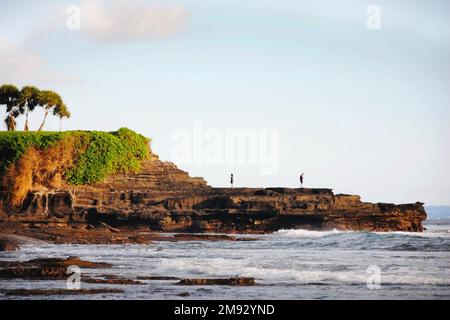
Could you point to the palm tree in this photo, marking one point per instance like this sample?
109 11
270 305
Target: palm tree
48 100
61 111
29 100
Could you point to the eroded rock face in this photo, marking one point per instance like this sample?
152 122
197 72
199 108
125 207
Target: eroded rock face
165 198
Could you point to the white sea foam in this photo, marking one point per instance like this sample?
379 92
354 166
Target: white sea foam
433 233
288 264
304 233
290 274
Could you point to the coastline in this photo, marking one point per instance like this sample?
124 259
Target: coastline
161 198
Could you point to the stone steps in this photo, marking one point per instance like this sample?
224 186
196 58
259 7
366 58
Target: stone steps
156 175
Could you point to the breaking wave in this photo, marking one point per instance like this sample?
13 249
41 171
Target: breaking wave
302 233
288 264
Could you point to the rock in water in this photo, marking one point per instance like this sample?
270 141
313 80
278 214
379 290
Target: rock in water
7 245
236 281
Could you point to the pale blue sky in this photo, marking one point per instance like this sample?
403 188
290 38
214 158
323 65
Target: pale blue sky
358 110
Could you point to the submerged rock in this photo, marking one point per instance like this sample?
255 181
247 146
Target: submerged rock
12 242
116 280
209 237
7 245
45 268
164 278
237 281
184 294
52 292
70 261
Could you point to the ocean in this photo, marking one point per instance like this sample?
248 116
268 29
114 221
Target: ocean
288 264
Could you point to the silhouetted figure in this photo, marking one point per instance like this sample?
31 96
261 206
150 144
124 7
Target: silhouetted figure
232 180
301 179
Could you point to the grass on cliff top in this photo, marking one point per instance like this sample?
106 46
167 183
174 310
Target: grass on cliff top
106 153
97 154
89 156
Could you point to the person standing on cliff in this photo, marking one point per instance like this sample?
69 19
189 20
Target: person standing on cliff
301 179
232 180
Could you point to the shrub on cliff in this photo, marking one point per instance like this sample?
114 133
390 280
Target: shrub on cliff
34 160
107 153
14 144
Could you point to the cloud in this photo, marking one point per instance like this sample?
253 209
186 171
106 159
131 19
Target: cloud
20 67
115 20
120 20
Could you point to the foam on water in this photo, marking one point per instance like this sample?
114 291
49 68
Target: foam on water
301 233
291 264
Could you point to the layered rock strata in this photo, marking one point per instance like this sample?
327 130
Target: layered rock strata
165 198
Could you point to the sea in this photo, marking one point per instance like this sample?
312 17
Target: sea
288 264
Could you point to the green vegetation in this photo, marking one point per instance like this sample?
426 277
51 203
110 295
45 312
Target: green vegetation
14 144
24 101
106 154
95 154
36 160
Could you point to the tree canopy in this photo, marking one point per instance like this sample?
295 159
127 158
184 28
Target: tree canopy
24 101
29 100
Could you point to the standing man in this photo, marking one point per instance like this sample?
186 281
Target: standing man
301 179
232 180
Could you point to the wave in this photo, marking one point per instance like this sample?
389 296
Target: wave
295 274
331 277
306 233
289 263
303 233
430 233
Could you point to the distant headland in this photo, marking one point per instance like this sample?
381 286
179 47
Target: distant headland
92 186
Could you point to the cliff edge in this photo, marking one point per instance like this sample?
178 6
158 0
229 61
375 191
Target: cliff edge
161 197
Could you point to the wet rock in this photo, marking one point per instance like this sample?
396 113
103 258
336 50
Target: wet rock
70 261
45 268
157 278
108 227
112 280
12 242
41 273
184 294
164 198
209 237
6 245
237 281
52 292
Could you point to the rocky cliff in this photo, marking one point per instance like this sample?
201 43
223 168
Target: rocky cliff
162 197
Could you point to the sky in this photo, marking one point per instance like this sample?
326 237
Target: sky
359 110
